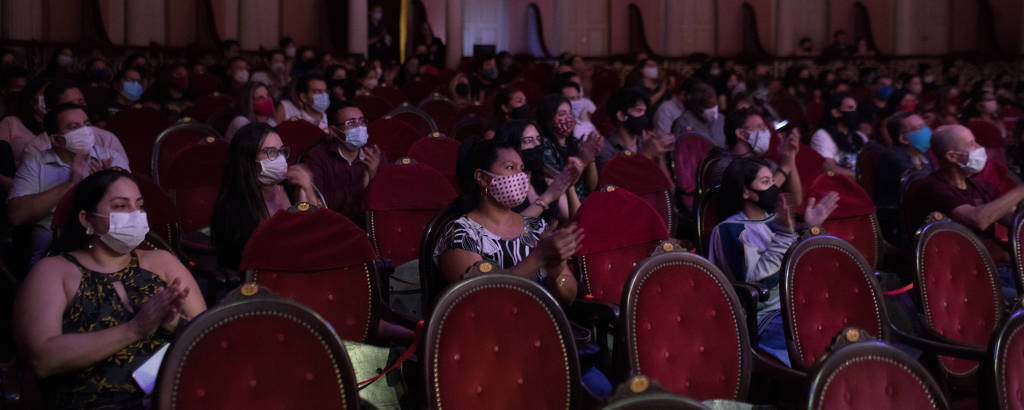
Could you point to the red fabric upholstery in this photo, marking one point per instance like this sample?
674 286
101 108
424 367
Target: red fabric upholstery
393 136
440 153
859 231
986 133
204 107
299 135
707 218
820 305
690 149
396 235
1008 383
324 238
137 129
615 220
605 273
259 362
194 181
419 123
409 187
195 205
417 90
392 95
960 294
636 173
499 346
203 84
810 164
867 165
814 110
853 201
790 110
442 111
343 296
175 139
468 127
684 336
532 91
875 383
480 110
373 107
996 172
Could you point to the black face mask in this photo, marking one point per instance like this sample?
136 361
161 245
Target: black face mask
519 113
462 89
850 119
533 160
768 198
637 125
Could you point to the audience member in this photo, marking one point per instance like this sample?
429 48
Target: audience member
701 115
309 102
838 139
669 111
61 92
553 200
581 108
129 89
254 105
20 130
555 121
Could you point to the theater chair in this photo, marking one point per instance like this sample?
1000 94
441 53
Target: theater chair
690 150
867 165
854 219
417 90
480 110
193 181
707 219
393 136
394 96
871 375
440 153
373 107
300 136
909 186
204 83
175 138
320 259
686 329
414 117
707 177
501 340
641 393
204 107
1004 376
1017 249
137 129
401 201
260 352
469 126
441 109
641 176
432 281
810 164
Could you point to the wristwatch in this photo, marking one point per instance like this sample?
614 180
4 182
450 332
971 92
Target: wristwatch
540 202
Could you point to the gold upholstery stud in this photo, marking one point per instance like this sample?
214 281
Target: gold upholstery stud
486 267
210 139
639 384
249 289
302 206
668 247
852 335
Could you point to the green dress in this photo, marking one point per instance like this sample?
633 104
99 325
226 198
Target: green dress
96 306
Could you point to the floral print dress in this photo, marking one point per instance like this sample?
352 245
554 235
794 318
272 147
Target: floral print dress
466 234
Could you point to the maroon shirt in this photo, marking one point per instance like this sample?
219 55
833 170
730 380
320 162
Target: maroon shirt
936 194
341 182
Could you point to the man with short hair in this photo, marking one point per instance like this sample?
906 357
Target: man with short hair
44 178
701 115
65 92
671 109
237 74
311 104
628 111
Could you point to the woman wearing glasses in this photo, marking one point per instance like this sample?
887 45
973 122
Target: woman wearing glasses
547 195
254 188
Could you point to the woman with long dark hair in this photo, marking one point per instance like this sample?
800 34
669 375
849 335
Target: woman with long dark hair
252 191
88 316
254 105
21 130
556 124
547 195
838 139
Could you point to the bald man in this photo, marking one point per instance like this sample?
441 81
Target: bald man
969 201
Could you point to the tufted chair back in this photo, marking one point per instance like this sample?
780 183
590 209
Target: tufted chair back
959 291
690 150
401 200
854 218
862 232
620 231
1008 370
643 177
872 375
137 129
372 106
262 352
1017 247
414 117
686 329
439 152
391 94
707 218
172 140
300 135
441 110
710 169
393 136
204 107
322 260
827 286
193 181
500 340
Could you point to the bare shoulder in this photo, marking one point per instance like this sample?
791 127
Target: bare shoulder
51 273
160 262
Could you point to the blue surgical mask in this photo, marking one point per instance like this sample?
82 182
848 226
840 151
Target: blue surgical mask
321 102
356 137
131 90
920 139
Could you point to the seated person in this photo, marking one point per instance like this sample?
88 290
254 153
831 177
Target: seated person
309 102
553 200
342 166
129 86
556 122
44 177
251 190
582 108
969 201
20 130
749 244
747 136
628 111
87 317
701 115
65 92
254 105
838 139
912 140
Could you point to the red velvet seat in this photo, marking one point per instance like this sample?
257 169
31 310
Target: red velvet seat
469 127
172 140
690 150
854 219
809 164
401 200
641 176
909 186
203 84
959 291
393 136
480 110
442 110
418 90
707 176
373 107
530 89
790 109
1017 249
872 375
604 83
707 219
986 133
257 353
193 180
867 165
620 230
204 107
322 260
814 110
686 329
440 153
501 340
1007 371
300 136
816 305
137 128
393 95
414 117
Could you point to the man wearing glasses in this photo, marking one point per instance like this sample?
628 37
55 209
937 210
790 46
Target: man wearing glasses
342 165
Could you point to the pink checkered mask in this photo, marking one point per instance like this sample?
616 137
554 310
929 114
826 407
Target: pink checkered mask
509 190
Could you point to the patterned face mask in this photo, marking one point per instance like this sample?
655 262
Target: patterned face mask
509 190
564 126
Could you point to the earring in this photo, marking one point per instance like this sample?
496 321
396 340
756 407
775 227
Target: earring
89 231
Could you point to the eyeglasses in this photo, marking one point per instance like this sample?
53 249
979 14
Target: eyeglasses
272 152
533 140
354 122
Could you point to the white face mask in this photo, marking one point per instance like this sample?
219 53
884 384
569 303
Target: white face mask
273 170
975 161
577 108
990 106
277 67
710 114
759 141
127 230
290 52
651 72
356 137
242 76
41 105
80 140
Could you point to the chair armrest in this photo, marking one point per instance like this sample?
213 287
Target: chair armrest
592 310
769 365
938 344
750 294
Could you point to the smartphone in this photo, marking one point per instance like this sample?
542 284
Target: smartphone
781 124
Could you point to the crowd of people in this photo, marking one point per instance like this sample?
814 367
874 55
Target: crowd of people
91 305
